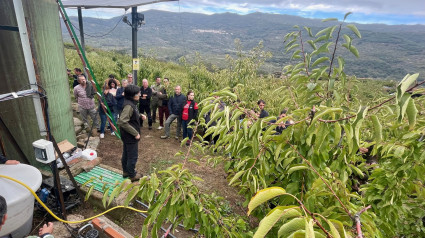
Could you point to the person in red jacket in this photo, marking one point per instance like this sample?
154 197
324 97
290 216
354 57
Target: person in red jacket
190 111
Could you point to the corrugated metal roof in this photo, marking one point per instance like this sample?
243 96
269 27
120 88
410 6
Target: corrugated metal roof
102 175
87 4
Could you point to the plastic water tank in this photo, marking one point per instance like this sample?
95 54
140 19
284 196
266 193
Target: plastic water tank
20 202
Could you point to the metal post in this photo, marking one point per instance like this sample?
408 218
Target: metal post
134 39
80 24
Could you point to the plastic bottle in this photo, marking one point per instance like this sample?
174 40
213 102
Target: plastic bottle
89 154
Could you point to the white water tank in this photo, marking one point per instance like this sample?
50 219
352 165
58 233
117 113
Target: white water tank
20 202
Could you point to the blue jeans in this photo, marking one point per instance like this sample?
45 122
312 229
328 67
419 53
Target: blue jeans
103 123
187 132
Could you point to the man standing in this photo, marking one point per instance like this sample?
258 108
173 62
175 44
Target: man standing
175 105
261 104
157 91
145 102
120 95
84 95
163 105
77 72
130 78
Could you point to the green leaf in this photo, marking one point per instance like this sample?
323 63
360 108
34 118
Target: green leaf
296 168
324 31
323 113
272 217
308 29
341 63
354 29
309 230
320 60
89 192
377 128
322 49
354 51
411 112
346 15
263 196
237 175
290 227
339 227
347 40
292 47
130 196
312 44
330 19
404 84
105 196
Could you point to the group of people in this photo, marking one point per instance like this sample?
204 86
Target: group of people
282 125
128 104
131 118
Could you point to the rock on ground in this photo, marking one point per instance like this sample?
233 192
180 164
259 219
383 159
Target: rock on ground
78 122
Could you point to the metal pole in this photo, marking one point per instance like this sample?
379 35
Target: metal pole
134 39
80 24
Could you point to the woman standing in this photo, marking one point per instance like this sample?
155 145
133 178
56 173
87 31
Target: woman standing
129 124
110 100
190 111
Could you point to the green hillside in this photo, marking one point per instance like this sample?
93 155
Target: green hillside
387 52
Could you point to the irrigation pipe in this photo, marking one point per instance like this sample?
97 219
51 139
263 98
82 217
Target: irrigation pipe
56 217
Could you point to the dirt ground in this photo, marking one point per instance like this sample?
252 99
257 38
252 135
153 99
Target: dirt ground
158 153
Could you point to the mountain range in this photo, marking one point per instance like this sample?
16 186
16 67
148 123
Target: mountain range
386 51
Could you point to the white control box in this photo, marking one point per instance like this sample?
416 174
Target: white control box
44 151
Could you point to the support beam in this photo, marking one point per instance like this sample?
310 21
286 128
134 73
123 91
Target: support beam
80 24
20 18
134 39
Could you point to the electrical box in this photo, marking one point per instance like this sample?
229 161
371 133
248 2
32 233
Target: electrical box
44 151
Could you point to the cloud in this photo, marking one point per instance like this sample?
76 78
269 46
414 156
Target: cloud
367 11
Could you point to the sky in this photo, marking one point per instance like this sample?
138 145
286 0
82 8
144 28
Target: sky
391 12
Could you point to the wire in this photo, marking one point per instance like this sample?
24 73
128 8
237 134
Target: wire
104 34
59 219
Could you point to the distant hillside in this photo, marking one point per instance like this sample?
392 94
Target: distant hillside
385 51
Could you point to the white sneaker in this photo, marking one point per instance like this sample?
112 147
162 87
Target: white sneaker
113 133
160 127
102 136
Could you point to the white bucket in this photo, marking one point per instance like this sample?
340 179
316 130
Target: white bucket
89 154
20 202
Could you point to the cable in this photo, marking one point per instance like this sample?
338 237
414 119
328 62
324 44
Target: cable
59 219
104 34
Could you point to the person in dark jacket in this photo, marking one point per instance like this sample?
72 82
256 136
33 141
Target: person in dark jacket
190 111
261 104
129 124
175 106
111 101
163 108
120 95
145 102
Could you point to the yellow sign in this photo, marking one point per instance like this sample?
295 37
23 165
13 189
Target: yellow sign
135 64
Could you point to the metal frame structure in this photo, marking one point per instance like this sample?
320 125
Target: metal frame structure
124 4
